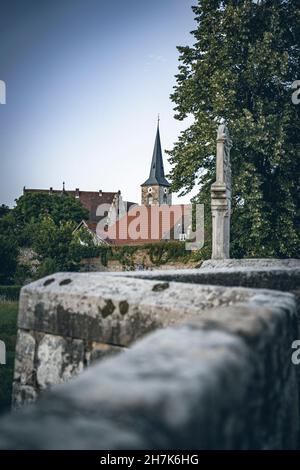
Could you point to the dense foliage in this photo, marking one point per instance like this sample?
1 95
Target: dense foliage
31 208
4 210
46 223
8 328
156 254
8 258
9 292
241 67
58 247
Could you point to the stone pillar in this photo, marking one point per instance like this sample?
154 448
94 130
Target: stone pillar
221 196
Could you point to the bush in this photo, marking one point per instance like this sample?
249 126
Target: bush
8 258
23 274
8 332
125 255
160 253
105 253
9 292
48 266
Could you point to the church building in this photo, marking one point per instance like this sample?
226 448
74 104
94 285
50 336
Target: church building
155 190
154 220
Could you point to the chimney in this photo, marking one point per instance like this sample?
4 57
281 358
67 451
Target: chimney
77 193
100 193
51 190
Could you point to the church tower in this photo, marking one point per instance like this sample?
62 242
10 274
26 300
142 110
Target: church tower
155 190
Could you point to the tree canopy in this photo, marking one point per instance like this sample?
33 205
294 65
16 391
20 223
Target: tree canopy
58 247
4 210
8 259
241 67
45 223
32 207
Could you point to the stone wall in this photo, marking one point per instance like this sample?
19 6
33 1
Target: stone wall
67 320
220 378
217 374
281 275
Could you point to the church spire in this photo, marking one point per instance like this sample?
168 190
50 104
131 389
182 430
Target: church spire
157 173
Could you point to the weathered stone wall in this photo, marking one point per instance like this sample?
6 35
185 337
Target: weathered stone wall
217 374
67 320
257 263
222 380
281 276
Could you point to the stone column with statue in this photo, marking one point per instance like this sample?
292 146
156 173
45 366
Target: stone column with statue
221 197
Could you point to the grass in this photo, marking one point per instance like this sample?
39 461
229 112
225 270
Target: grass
8 332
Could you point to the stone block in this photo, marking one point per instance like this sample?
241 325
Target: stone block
24 370
68 321
58 360
96 351
277 277
23 395
221 381
117 309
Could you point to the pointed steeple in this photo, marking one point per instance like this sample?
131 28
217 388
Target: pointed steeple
157 173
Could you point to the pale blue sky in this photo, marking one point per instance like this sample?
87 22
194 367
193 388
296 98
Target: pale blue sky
85 81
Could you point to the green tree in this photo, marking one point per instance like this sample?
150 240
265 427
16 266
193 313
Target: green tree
31 207
46 223
8 259
245 57
8 226
58 247
9 246
4 210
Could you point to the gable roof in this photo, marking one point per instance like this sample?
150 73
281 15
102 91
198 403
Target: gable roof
91 228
